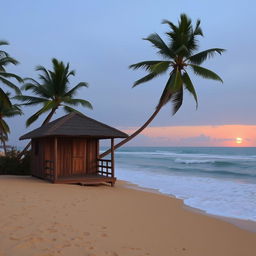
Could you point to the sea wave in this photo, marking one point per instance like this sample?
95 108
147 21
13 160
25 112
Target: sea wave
214 196
188 155
193 161
221 181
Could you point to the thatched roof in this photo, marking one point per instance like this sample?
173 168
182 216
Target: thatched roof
75 124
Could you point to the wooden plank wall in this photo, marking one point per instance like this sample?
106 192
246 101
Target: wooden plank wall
42 149
92 148
79 156
76 156
36 158
64 157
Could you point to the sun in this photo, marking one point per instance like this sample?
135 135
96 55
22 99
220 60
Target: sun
239 140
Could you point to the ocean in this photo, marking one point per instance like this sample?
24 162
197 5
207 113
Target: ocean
219 181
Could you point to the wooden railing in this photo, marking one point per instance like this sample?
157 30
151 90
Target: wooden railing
104 167
49 169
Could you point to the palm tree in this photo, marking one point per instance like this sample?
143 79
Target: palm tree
178 56
5 112
53 92
5 59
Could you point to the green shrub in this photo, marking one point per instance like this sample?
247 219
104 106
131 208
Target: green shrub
10 164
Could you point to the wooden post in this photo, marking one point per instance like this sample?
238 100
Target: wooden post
55 159
97 148
112 158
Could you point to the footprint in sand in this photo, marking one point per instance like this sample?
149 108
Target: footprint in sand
66 244
111 253
52 230
19 227
135 249
14 238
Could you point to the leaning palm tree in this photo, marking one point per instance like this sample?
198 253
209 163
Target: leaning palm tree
178 57
5 60
53 92
6 112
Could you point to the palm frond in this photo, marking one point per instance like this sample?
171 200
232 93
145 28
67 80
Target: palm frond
71 73
73 91
30 81
3 136
69 109
144 79
49 105
7 60
3 42
155 70
5 99
182 34
177 82
172 26
11 75
202 56
30 100
45 76
157 41
160 68
177 100
205 73
182 50
173 85
10 84
189 86
76 102
198 31
146 64
4 127
167 92
10 112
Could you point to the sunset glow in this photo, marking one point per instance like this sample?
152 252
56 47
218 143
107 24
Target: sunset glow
239 140
198 136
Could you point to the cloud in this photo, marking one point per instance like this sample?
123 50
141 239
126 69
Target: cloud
200 138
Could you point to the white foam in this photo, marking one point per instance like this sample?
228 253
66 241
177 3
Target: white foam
214 196
188 155
193 161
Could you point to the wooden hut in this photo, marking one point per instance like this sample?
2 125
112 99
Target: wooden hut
67 150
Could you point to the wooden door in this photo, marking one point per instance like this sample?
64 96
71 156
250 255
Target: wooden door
78 157
64 157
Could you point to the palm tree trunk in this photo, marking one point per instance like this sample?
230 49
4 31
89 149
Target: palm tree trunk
134 134
3 142
4 146
47 120
49 117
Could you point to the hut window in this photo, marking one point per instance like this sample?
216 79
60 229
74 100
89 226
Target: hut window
36 147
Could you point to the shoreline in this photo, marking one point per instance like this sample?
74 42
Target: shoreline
43 219
248 225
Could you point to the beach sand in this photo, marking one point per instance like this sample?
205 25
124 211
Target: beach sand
43 219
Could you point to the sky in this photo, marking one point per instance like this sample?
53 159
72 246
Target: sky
100 39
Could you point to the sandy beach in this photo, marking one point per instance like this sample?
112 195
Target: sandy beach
43 219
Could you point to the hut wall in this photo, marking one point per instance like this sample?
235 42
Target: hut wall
79 156
92 154
42 149
64 167
36 169
75 156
